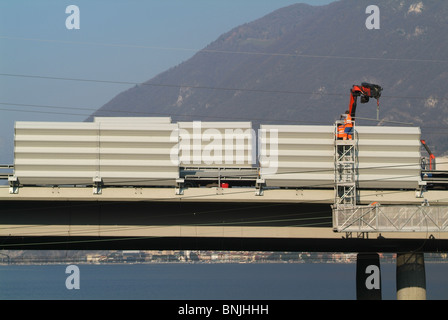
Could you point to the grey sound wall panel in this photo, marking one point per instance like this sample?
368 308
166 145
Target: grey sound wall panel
138 154
389 157
67 153
296 156
303 156
216 144
56 153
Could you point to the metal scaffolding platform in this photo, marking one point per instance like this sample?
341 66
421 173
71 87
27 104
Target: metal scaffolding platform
348 216
391 218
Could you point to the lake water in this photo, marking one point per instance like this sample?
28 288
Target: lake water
273 281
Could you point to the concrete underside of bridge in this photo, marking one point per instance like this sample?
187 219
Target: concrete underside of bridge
192 225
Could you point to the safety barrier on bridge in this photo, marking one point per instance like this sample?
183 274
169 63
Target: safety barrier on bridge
391 218
154 151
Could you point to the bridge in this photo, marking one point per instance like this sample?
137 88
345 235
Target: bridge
96 186
199 218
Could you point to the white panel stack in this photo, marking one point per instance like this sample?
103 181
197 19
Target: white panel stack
297 156
119 153
149 151
138 154
56 152
389 157
216 144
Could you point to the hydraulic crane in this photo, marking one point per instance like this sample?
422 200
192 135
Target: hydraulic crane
365 91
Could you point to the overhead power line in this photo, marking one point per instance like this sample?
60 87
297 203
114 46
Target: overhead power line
205 50
168 85
97 112
171 85
185 86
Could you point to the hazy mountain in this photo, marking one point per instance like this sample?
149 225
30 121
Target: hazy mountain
297 64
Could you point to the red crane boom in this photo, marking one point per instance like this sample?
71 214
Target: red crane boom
365 91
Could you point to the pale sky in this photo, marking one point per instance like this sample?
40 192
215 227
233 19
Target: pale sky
118 40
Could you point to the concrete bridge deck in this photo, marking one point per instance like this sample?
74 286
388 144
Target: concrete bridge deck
215 194
201 218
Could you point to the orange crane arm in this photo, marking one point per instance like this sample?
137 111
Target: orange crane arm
365 91
432 158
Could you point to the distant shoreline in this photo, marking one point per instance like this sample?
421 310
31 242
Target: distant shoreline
190 257
193 262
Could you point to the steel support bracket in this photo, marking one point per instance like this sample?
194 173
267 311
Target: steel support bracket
422 188
180 186
259 187
97 185
13 185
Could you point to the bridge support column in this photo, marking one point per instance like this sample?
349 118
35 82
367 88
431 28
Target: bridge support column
368 276
411 278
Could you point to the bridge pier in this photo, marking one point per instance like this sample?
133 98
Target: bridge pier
410 276
368 276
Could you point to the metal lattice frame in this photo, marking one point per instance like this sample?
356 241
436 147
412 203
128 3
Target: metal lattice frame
391 218
345 170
